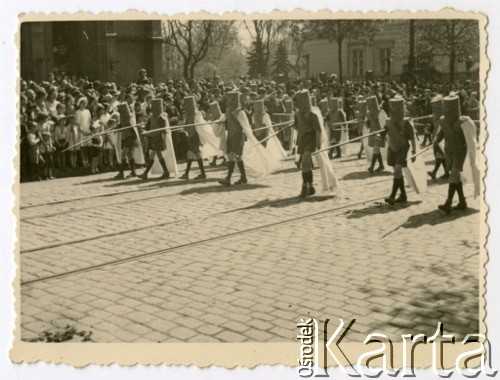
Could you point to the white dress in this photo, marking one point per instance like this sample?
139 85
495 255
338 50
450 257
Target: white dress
83 120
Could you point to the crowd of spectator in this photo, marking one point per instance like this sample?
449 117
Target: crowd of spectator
60 115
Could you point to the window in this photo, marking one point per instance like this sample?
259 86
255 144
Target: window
385 62
357 63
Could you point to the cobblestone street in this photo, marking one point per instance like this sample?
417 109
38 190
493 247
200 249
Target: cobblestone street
193 261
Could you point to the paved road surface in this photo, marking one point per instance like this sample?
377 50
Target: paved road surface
170 261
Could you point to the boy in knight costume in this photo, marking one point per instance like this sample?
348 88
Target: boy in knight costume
194 143
437 112
401 134
361 117
258 117
308 139
129 140
156 141
215 114
336 115
235 139
375 142
455 151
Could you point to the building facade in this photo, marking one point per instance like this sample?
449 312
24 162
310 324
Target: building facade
100 50
384 56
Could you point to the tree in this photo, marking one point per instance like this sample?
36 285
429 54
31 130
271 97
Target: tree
263 33
256 59
227 57
339 30
281 64
300 32
458 39
411 54
194 39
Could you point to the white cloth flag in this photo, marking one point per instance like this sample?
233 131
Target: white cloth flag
258 162
273 146
210 142
366 147
329 180
344 136
415 172
137 153
471 172
169 157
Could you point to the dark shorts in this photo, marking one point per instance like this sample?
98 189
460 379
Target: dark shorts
376 141
455 159
194 143
157 143
336 133
438 152
235 143
128 142
307 143
93 151
397 157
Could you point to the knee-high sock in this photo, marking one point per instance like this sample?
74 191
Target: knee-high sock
200 165
305 178
230 169
241 167
310 177
188 166
436 165
149 166
460 191
374 160
163 165
395 186
380 162
132 166
402 186
452 187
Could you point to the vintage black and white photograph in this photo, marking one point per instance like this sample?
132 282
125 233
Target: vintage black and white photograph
232 181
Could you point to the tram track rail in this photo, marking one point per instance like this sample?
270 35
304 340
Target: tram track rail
142 228
199 242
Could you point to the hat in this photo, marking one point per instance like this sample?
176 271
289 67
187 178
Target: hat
42 116
397 108
233 100
190 106
83 98
60 117
259 110
215 110
304 102
451 105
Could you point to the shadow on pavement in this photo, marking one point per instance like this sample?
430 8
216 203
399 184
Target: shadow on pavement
126 182
288 170
101 180
379 208
354 159
221 188
159 183
285 202
435 217
364 174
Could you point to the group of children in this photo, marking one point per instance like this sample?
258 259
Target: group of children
54 140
